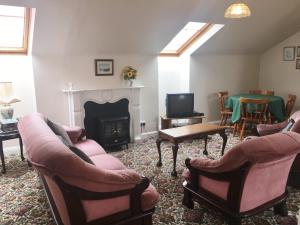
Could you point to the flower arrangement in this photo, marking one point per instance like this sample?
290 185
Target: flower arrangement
129 73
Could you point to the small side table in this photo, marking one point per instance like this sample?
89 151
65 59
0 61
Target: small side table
4 136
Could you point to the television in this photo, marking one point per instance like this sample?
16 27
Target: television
180 105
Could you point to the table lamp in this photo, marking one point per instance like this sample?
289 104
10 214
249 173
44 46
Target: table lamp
7 97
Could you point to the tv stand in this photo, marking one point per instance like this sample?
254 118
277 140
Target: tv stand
166 122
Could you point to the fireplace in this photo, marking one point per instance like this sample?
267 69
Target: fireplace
76 98
108 123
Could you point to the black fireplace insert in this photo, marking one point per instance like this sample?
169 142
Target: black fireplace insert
108 123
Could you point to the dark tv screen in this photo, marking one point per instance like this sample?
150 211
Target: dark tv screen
180 105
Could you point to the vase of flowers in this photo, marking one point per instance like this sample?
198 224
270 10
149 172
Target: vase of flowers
129 74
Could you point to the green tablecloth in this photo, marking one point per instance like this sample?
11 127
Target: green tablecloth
276 105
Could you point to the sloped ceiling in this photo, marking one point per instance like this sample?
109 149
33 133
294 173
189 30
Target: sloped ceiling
146 26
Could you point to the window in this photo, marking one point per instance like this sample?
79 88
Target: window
14 29
192 36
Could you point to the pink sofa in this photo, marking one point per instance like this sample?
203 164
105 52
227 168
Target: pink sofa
103 191
249 178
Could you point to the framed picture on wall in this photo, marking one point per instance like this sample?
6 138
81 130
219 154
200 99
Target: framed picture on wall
104 67
289 53
298 64
298 51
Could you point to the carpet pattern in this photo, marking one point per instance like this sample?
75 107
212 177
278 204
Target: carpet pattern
22 199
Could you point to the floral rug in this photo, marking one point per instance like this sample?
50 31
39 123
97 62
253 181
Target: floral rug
22 199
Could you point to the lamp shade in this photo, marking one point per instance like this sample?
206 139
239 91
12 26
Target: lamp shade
7 94
237 10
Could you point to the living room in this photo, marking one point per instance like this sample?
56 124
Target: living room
70 39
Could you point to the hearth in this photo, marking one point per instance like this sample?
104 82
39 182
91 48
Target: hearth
108 123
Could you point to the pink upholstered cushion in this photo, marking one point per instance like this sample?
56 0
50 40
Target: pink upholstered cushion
59 200
74 133
95 209
219 188
150 198
267 129
258 150
108 162
265 182
90 147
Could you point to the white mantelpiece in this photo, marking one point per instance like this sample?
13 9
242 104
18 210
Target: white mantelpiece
77 98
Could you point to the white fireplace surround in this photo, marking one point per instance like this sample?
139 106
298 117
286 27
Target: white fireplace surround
77 98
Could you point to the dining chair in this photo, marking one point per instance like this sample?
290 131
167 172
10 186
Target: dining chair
258 92
253 111
290 104
225 112
266 92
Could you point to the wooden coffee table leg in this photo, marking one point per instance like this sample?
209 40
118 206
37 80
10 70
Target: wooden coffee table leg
205 152
224 136
158 142
2 157
175 150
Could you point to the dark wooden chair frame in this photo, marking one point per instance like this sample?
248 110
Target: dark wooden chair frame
230 208
73 196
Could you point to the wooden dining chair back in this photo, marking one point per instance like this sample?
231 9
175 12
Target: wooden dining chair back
223 95
267 92
253 111
255 92
225 112
290 105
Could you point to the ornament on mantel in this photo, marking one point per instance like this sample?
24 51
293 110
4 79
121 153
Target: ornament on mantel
129 74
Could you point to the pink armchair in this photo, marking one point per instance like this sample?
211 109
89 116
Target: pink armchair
248 179
265 129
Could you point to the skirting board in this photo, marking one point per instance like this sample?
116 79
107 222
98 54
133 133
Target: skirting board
149 134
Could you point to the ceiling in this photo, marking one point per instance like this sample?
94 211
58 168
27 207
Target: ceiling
146 26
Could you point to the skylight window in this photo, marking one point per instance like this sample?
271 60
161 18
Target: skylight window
14 27
190 36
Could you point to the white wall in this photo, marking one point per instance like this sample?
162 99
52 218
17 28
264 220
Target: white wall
278 75
53 73
213 73
18 69
173 77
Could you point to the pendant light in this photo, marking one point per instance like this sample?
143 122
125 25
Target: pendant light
237 10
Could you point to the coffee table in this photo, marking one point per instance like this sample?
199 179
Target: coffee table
180 134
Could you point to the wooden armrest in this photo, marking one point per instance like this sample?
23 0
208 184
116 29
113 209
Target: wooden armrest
83 134
73 197
135 193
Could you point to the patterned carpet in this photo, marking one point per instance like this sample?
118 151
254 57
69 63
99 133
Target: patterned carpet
22 200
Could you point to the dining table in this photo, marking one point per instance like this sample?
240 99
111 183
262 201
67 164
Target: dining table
276 105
